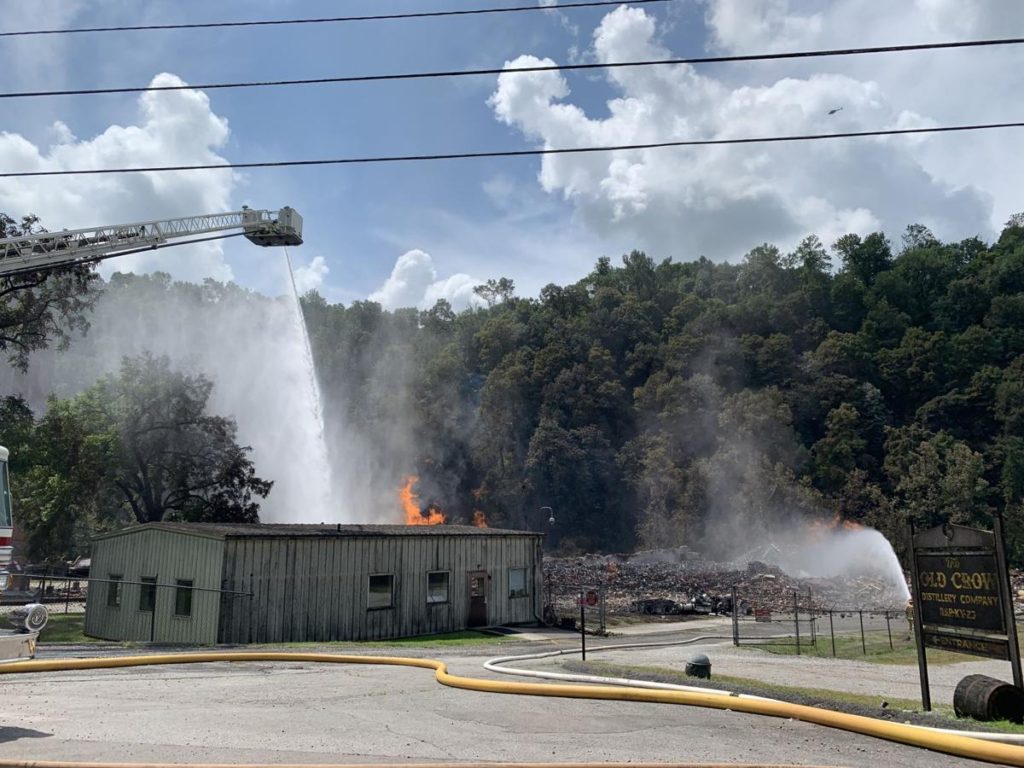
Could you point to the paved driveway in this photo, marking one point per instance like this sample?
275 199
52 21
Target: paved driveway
298 712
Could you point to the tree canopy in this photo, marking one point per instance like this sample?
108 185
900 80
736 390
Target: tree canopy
136 447
39 307
649 403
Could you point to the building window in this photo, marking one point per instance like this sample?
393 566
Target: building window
114 590
517 582
183 598
382 591
437 587
147 593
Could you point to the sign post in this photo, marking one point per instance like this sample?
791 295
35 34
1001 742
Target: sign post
922 659
583 627
962 597
735 617
1007 589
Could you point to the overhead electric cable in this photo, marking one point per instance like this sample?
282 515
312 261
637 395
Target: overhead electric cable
513 70
513 152
335 19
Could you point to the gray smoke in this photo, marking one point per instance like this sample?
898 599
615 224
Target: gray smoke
253 350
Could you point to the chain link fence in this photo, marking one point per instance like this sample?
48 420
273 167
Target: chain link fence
806 627
59 593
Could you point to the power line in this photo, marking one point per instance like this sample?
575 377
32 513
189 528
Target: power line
336 19
515 152
536 68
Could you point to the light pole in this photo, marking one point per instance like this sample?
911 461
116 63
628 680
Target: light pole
551 515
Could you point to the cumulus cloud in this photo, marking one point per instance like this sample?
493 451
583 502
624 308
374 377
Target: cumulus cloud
174 127
309 277
414 283
720 201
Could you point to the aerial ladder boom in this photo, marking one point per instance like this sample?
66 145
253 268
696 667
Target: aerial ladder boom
46 250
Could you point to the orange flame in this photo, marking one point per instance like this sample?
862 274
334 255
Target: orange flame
818 527
479 519
413 514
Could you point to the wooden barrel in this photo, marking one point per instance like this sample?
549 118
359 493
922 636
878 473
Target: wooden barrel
985 698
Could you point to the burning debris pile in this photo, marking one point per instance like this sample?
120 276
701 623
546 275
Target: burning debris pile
414 515
679 581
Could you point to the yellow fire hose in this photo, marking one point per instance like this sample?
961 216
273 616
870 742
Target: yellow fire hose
62 764
960 746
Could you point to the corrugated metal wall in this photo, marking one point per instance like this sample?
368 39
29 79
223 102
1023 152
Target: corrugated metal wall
315 589
168 556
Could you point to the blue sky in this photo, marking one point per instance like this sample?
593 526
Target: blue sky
488 218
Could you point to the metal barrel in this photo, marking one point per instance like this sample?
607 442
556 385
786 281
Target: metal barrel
985 698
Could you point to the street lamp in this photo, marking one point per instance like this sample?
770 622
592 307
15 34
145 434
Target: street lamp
551 514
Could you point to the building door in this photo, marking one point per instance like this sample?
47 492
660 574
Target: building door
477 599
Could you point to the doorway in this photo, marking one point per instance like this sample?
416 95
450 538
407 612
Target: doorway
477 599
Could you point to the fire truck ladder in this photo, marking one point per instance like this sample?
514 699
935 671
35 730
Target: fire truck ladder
48 250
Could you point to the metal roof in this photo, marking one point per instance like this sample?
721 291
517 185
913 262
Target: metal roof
295 530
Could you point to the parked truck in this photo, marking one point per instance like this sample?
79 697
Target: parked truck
28 620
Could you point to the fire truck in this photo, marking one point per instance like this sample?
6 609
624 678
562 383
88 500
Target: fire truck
35 252
28 620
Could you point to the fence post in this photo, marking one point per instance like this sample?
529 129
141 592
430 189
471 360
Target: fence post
888 628
583 627
832 632
796 619
152 612
67 595
810 610
735 618
863 645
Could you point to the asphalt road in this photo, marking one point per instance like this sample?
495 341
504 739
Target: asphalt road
297 712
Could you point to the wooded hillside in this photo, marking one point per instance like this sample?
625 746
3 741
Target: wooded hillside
653 404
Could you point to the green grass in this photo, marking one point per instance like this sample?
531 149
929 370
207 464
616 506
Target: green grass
66 628
818 696
903 652
784 692
465 637
70 628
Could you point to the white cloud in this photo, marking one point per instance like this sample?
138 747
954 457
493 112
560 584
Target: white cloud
175 127
309 277
413 283
720 201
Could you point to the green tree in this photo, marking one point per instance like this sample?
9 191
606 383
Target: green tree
165 457
936 478
496 291
837 454
864 259
39 307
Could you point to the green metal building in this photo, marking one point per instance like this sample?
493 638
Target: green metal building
211 583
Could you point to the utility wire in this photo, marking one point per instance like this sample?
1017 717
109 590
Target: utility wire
515 152
104 257
336 19
536 68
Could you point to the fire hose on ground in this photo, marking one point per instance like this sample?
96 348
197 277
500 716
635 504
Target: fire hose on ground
497 665
951 744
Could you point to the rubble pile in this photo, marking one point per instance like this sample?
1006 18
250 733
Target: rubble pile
673 581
